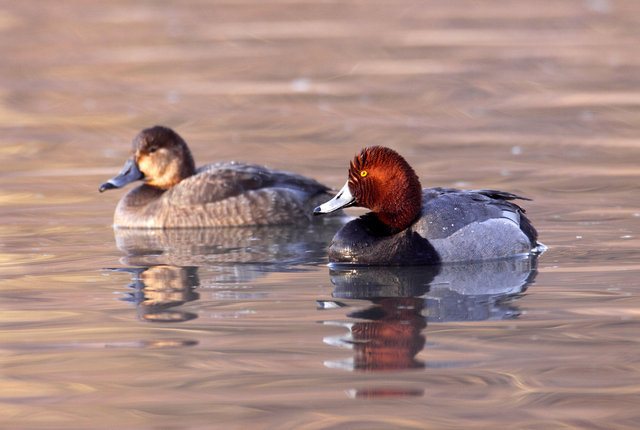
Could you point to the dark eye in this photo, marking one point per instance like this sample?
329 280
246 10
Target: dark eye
152 149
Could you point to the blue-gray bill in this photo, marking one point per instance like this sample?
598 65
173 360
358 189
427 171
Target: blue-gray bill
129 173
343 199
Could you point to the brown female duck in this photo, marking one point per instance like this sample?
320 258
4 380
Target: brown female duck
175 194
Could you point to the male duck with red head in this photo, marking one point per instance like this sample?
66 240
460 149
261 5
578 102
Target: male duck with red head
410 225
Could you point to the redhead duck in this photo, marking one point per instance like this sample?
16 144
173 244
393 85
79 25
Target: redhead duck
411 225
176 194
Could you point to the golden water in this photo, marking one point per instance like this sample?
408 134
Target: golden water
251 329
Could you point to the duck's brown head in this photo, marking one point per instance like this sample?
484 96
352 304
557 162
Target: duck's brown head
159 156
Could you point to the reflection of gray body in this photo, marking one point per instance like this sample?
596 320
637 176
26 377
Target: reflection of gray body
453 292
238 253
454 226
167 261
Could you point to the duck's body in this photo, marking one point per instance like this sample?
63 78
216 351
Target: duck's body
411 225
222 194
453 226
177 195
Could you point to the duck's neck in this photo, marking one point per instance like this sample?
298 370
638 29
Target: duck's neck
401 219
401 207
135 209
177 169
188 166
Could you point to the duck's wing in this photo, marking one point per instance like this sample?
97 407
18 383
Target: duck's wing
494 194
233 194
448 209
220 181
500 195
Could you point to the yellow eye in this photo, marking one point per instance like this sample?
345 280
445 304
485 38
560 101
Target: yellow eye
363 173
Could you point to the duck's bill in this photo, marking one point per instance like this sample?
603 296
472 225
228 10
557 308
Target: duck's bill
343 199
129 173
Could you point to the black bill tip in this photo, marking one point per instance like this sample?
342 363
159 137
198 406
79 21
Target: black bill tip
106 186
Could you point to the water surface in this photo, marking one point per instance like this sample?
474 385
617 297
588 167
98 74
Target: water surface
250 328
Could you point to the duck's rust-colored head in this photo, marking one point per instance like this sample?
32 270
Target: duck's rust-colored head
381 180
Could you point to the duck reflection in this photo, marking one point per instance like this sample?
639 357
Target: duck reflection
388 333
266 248
165 263
390 337
158 289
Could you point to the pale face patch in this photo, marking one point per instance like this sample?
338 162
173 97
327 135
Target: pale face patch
161 168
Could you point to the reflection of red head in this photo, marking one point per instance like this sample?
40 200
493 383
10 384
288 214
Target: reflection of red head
392 341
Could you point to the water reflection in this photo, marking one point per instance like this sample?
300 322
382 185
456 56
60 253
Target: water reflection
266 248
158 289
389 338
388 334
164 264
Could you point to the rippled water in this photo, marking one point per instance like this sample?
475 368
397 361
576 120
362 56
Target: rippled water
249 328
